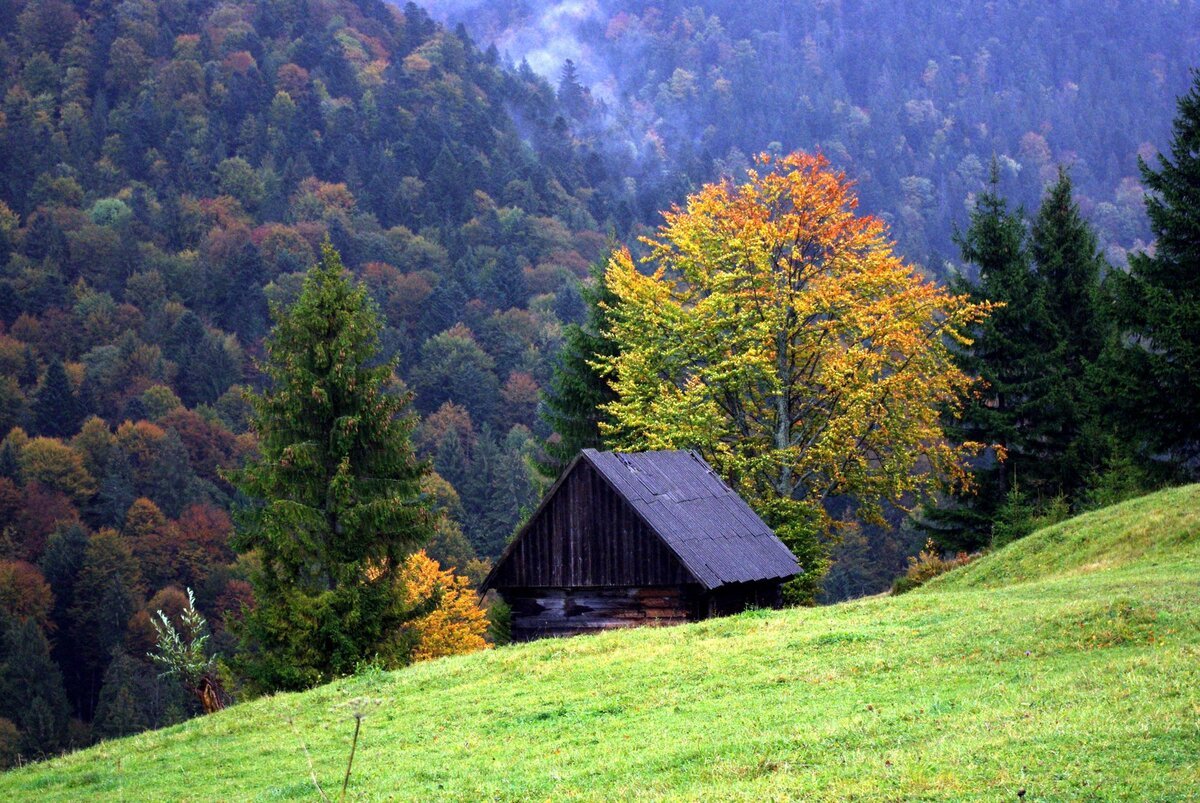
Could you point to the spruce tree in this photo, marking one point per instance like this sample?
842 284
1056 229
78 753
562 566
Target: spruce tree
1157 381
31 689
1070 267
117 490
119 707
335 489
571 404
1010 353
56 410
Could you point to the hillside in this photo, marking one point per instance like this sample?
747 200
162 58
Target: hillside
1067 665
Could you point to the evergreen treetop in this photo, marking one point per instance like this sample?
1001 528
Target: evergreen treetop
572 404
1158 303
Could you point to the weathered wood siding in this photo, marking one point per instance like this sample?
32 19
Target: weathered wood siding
537 613
588 537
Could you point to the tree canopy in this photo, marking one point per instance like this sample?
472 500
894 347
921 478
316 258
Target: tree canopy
781 337
337 502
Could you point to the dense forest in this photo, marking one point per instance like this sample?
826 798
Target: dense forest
171 170
912 100
167 171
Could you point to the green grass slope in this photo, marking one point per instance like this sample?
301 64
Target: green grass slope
1067 665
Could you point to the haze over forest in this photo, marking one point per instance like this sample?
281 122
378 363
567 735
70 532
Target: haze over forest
911 99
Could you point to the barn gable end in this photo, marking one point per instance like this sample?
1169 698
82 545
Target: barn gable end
586 536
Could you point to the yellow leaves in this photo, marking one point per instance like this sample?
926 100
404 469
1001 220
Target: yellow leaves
781 336
458 623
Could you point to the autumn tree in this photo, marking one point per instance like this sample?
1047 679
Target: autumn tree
781 337
336 490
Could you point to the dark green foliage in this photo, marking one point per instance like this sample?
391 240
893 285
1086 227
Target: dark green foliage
56 410
108 591
31 689
450 461
133 698
1158 303
116 491
119 709
499 493
335 491
172 483
1069 267
1040 356
571 404
1010 353
60 565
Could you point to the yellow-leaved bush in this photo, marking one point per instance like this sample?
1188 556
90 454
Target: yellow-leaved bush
456 624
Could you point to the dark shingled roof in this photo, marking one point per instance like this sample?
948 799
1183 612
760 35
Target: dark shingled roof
712 530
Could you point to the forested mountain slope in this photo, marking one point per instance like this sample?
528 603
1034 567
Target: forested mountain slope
167 169
913 99
1074 676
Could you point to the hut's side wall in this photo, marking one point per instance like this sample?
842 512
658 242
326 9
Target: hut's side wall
541 612
588 537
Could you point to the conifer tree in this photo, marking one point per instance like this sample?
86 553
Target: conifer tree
60 565
120 709
335 488
1010 353
1157 382
572 405
108 591
56 411
31 689
1070 267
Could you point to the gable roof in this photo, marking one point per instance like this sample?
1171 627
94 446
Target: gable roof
713 532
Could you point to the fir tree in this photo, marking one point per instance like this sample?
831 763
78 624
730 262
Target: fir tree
120 706
172 482
335 489
450 462
571 405
56 411
1157 381
1010 353
497 493
60 565
31 689
108 591
1070 267
117 490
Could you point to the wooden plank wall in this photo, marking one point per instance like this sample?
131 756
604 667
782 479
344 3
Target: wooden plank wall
588 537
538 613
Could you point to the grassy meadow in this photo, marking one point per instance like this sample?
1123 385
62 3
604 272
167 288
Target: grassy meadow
1064 667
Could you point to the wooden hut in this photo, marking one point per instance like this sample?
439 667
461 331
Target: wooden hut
629 539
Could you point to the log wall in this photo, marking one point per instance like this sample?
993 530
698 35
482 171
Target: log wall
541 612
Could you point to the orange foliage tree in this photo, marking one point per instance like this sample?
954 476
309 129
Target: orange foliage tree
456 624
781 337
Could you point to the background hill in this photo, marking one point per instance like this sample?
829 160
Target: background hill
912 99
1064 665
